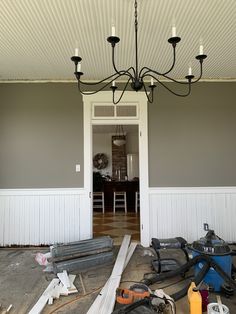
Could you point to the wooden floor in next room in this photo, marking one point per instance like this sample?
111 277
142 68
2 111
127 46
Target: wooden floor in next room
116 225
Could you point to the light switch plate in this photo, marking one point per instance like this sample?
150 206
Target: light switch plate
77 168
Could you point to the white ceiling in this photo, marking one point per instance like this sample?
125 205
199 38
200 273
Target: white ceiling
38 37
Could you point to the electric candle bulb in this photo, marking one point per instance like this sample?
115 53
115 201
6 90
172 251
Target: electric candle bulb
113 31
76 52
152 81
173 31
114 83
189 71
201 50
79 67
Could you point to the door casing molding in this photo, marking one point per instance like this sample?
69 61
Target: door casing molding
142 122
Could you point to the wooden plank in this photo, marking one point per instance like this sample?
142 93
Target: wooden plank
108 303
130 252
42 301
120 260
97 304
64 278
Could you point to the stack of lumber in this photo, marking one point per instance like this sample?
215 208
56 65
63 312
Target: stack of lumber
81 255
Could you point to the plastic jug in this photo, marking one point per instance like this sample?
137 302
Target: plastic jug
195 300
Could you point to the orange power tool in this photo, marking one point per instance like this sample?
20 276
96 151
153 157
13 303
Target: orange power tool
134 293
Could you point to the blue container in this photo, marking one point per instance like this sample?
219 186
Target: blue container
216 248
212 278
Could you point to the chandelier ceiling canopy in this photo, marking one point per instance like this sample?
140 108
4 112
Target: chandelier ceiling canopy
138 79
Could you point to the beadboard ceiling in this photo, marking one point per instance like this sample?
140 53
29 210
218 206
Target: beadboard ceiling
38 37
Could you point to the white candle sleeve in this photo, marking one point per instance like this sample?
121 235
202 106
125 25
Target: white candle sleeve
113 31
173 31
79 67
201 50
114 83
152 81
189 71
76 52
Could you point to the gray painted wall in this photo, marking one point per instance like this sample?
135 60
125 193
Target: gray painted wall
192 141
41 135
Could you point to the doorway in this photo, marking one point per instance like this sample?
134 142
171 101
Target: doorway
116 206
99 110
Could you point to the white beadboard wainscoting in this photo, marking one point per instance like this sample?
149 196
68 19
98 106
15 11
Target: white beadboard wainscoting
43 216
183 211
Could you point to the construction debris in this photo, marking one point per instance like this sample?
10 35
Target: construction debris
77 256
105 301
42 259
72 250
7 310
63 285
84 263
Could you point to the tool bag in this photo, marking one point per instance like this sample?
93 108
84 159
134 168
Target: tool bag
168 264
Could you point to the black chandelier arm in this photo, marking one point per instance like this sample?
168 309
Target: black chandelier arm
141 75
126 72
159 73
113 60
174 93
173 62
192 82
99 82
121 71
94 92
200 76
150 100
150 72
113 92
146 73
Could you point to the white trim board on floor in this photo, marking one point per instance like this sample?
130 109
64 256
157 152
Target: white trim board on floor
97 304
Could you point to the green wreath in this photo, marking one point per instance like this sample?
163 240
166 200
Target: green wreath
100 161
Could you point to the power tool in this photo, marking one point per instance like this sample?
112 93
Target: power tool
133 294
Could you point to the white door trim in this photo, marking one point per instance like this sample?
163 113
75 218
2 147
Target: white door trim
142 122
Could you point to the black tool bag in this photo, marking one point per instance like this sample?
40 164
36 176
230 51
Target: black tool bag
168 264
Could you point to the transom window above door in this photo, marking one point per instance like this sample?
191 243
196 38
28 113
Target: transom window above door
110 111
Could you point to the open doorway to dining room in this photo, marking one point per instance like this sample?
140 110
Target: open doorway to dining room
132 110
116 206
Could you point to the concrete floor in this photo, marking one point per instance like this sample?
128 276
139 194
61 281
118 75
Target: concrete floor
22 282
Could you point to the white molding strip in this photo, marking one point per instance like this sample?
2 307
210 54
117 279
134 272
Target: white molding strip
42 216
174 190
42 191
106 297
183 211
100 297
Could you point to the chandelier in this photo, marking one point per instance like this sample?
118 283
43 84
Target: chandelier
120 136
136 77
